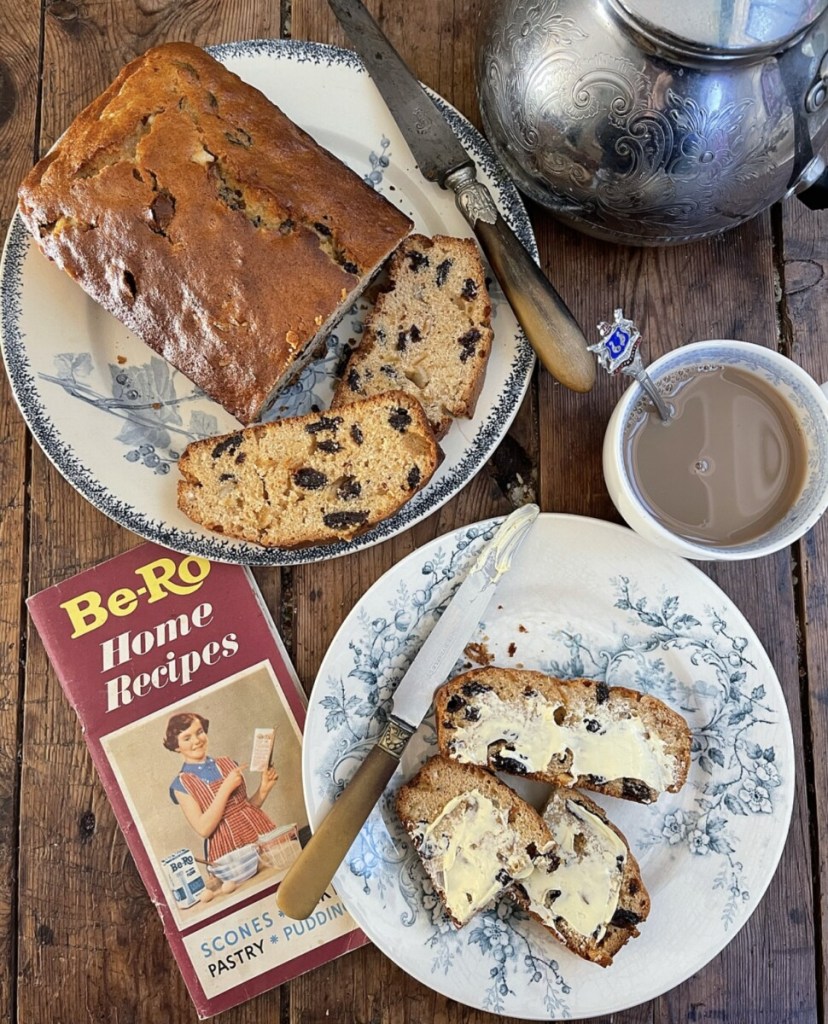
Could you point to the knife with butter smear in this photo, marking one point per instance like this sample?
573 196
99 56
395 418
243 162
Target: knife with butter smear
549 326
311 873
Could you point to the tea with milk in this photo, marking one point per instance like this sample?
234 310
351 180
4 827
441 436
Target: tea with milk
727 466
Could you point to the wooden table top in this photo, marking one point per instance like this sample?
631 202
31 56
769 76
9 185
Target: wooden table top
79 938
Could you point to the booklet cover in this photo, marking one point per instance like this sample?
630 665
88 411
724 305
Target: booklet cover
193 715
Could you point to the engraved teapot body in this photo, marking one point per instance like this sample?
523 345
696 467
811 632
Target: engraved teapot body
641 122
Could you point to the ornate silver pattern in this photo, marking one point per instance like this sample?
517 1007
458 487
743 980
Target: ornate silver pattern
635 145
394 737
473 198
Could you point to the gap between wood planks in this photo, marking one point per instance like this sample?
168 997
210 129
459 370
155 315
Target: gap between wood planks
784 343
28 457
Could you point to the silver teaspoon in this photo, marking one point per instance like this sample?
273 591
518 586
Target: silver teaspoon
617 352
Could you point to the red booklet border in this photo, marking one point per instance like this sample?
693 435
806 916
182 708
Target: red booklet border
131 639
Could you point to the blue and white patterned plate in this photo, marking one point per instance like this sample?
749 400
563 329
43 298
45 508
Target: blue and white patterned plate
114 417
584 598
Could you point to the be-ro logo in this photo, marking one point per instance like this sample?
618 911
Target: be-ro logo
160 578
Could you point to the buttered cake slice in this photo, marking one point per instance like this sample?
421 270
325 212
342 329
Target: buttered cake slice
474 835
575 732
595 898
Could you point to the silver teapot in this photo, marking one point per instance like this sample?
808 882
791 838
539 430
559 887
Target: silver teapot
651 122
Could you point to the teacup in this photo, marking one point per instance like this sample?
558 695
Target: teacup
805 407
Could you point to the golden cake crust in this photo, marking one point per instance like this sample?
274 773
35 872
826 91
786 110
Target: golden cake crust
200 215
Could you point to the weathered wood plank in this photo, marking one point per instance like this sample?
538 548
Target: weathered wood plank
726 289
18 111
437 41
91 943
805 328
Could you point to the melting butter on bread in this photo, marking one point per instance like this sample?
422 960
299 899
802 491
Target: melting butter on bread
475 836
572 733
595 898
429 333
310 479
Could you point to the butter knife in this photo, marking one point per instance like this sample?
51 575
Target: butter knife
311 873
547 323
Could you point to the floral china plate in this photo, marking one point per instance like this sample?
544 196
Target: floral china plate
114 417
583 598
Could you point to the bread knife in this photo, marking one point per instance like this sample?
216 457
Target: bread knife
311 873
550 328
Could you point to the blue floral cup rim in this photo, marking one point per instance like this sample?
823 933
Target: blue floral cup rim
807 399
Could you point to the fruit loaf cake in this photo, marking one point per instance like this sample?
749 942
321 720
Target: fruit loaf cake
430 333
203 218
310 479
595 898
474 835
575 732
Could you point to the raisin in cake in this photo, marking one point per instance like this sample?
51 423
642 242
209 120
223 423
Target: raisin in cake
474 835
574 732
595 898
203 218
311 479
430 334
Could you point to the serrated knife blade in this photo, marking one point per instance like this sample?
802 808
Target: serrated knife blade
434 145
313 870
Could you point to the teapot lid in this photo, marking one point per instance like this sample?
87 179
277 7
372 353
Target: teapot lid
722 27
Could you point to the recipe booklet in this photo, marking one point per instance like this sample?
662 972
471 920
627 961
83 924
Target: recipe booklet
183 687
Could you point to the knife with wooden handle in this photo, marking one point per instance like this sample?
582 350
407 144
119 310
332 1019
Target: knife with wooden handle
311 873
547 323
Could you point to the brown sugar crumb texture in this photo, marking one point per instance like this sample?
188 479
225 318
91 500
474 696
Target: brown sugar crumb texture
201 216
311 479
429 334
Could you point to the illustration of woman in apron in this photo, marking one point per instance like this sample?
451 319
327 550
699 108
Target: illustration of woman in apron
211 791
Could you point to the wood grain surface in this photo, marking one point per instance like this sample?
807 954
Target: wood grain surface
79 939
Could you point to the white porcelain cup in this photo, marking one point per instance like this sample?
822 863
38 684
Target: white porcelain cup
806 399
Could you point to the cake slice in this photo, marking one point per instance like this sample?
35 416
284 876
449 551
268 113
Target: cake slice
474 835
595 898
429 334
310 479
575 732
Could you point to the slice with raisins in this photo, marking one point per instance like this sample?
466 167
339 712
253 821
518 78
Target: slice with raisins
429 334
312 479
596 902
475 836
568 732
